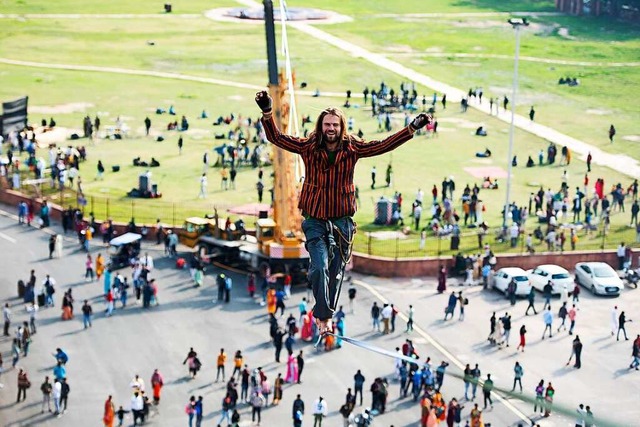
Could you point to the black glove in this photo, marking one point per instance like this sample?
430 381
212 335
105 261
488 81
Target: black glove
420 121
264 101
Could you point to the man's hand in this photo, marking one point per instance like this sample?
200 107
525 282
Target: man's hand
421 121
264 101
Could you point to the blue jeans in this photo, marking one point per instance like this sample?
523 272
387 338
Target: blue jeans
329 249
86 319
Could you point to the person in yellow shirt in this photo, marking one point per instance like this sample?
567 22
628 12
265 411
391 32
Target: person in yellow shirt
222 359
238 361
99 266
224 173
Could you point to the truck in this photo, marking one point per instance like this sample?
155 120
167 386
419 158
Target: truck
278 245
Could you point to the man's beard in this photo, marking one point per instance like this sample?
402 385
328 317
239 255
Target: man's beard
330 138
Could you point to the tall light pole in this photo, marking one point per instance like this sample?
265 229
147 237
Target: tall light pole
516 24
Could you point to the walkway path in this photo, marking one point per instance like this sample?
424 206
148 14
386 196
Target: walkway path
522 58
620 162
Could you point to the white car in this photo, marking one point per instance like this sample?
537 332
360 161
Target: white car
599 278
502 278
559 277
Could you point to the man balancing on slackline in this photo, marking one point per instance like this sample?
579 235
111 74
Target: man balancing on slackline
327 199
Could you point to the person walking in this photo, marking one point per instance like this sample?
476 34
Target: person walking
257 403
297 411
300 361
612 133
486 391
576 350
6 316
635 353
622 319
547 317
506 325
87 312
562 314
572 318
320 411
157 382
518 373
147 125
109 412
547 290
475 380
451 305
523 332
326 179
199 411
64 394
57 394
375 316
531 296
614 320
203 187
222 359
46 388
410 319
539 402
548 399
358 383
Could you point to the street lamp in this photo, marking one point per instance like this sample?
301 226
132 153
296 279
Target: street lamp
516 23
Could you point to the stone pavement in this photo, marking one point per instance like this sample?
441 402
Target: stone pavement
104 359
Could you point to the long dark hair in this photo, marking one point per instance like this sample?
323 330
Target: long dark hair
317 132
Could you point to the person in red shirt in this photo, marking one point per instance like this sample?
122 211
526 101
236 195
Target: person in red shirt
327 198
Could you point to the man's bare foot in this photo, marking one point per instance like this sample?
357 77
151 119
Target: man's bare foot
324 326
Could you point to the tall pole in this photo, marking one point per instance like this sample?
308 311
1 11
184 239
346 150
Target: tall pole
516 24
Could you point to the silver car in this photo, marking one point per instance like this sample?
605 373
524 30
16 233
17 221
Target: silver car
599 278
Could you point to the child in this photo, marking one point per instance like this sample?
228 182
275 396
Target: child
120 414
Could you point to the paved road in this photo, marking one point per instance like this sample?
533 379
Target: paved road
105 357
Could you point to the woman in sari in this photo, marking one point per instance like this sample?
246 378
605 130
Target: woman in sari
291 376
99 266
306 332
109 413
277 389
476 417
271 301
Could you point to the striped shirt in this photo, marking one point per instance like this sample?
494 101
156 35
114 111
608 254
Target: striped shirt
328 191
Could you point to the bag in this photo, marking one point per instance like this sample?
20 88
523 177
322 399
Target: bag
28 384
189 409
466 301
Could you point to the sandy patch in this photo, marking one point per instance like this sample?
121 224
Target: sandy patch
434 49
478 48
72 107
387 235
235 97
597 112
58 135
399 49
632 138
461 123
490 171
465 64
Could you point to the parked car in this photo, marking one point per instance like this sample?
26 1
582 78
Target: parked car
559 277
599 278
502 278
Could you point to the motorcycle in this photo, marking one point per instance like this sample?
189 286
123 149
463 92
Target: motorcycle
631 277
363 419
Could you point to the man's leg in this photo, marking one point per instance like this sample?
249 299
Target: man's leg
316 231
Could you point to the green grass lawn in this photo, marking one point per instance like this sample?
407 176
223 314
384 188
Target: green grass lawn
200 47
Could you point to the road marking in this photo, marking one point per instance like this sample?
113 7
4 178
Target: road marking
9 238
453 359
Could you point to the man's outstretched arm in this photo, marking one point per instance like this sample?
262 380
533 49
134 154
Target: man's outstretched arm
375 148
277 138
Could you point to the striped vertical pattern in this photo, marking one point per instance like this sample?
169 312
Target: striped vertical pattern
328 190
14 115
